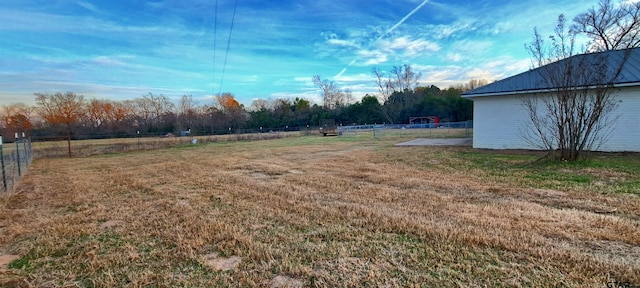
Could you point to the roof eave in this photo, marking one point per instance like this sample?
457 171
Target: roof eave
506 93
628 84
619 85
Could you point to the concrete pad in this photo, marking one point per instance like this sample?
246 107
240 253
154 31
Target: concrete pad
438 142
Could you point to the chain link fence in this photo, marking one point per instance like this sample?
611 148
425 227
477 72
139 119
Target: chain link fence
15 159
430 130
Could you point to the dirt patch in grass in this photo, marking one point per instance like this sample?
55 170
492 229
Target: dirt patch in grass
6 259
221 263
111 224
285 282
297 213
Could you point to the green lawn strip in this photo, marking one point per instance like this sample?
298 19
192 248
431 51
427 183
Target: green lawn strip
604 173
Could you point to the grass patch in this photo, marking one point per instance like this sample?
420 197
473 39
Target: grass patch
21 263
323 211
556 179
604 173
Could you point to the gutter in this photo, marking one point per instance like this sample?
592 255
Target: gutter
519 92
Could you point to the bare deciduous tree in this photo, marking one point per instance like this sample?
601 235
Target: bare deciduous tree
152 109
188 113
117 113
577 113
406 79
98 113
384 83
17 117
61 110
402 79
233 111
610 27
261 105
332 96
474 83
227 102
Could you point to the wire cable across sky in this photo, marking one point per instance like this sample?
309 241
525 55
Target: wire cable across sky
385 34
215 33
224 65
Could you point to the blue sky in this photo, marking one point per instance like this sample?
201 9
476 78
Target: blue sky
121 49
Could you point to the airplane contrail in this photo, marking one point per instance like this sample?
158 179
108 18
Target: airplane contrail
386 33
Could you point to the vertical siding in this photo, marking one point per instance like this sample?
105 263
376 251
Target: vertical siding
500 122
625 134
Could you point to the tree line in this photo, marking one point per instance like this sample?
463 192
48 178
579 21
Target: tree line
73 116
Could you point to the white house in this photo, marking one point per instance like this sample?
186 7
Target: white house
500 117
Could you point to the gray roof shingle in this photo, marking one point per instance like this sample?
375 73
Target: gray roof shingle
532 80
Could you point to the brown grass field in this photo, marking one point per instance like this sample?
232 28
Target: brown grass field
322 212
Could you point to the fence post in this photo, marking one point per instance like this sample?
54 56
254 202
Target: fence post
30 150
4 172
26 153
18 154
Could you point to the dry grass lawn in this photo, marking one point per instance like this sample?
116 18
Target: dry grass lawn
320 212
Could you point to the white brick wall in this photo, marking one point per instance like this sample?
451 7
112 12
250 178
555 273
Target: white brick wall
500 123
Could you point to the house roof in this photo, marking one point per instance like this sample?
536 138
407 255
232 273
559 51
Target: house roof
532 80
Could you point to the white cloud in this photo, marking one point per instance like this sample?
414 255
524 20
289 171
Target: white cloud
469 51
498 69
502 27
516 67
445 76
341 43
172 44
114 92
302 79
454 57
250 79
472 46
408 46
481 73
78 24
399 47
373 57
440 74
354 78
89 7
155 5
13 97
108 61
442 31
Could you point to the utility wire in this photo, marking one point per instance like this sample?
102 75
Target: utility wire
215 32
224 66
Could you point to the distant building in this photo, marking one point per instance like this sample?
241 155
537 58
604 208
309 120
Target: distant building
499 116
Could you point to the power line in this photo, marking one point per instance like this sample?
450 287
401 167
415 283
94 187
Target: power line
215 32
224 66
